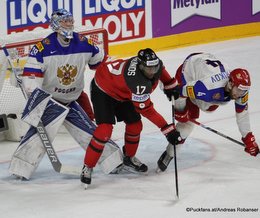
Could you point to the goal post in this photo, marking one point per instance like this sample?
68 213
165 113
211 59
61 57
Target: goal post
19 45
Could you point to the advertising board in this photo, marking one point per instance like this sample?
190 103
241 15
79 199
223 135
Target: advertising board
180 16
123 19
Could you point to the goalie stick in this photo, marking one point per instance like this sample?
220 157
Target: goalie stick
51 153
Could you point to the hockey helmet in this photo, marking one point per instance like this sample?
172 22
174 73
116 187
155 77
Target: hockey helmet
148 58
62 22
148 61
240 78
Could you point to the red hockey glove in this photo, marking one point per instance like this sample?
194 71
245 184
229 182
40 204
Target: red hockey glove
251 146
172 89
172 135
182 116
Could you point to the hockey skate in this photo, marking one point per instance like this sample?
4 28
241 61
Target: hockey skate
163 162
85 176
133 164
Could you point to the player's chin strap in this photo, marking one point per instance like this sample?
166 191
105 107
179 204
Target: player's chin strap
174 148
52 155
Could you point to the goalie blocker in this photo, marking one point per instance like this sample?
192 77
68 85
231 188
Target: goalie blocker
31 151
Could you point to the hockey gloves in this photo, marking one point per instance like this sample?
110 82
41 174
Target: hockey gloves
251 146
172 89
172 135
190 112
182 116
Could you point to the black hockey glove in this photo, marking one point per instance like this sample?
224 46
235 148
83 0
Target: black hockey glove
172 89
172 135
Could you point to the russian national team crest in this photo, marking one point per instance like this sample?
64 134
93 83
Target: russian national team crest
67 74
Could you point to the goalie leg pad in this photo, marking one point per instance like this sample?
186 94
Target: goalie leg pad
35 107
111 157
30 152
79 125
81 129
17 128
28 155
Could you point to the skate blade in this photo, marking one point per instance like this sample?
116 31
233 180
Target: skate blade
85 186
158 170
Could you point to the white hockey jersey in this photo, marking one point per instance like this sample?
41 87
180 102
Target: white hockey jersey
60 70
203 80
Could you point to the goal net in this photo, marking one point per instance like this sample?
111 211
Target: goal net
12 101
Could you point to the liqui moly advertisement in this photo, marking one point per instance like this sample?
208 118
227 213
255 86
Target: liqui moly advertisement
123 19
179 16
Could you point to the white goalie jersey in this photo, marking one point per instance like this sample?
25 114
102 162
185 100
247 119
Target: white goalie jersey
60 70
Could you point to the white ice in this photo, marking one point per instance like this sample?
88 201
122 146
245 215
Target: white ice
213 172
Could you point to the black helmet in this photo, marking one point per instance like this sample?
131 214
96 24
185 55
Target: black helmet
148 58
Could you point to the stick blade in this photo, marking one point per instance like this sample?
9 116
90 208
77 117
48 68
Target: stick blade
70 170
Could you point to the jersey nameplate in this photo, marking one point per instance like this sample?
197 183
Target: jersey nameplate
139 85
140 98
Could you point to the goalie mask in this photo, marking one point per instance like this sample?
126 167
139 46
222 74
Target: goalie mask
149 63
62 22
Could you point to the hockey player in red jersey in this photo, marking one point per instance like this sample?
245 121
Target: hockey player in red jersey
121 90
205 84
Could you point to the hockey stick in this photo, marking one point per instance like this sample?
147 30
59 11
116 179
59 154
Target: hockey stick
217 132
52 155
174 148
14 70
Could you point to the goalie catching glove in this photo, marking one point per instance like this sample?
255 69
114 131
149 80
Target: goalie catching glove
251 146
172 135
172 89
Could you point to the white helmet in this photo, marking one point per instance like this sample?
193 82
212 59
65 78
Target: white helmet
62 15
